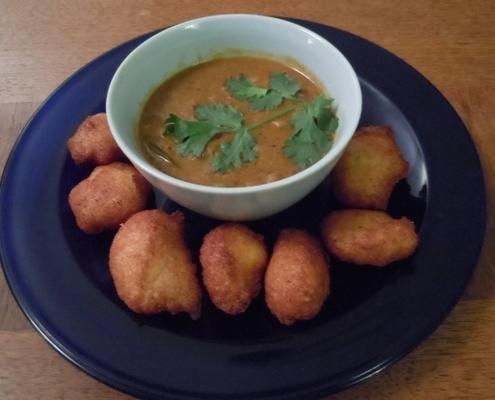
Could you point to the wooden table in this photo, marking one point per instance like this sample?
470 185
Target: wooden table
451 42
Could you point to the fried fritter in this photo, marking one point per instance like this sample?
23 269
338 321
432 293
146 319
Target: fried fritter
108 197
368 237
369 169
93 143
151 266
297 280
233 260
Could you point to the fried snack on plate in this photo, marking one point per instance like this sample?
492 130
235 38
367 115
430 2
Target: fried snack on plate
151 265
108 197
233 260
93 143
368 170
297 280
368 237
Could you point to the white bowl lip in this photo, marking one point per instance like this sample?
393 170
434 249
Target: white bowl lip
154 172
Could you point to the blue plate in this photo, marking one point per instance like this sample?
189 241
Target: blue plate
60 278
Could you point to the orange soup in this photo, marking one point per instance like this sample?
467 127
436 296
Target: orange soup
205 83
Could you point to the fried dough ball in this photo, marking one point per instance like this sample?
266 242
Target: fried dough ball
297 280
233 260
151 266
108 197
93 143
368 237
369 169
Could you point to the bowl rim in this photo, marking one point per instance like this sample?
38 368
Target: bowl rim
157 174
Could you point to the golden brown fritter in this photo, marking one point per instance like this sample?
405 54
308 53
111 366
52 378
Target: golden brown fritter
369 169
367 237
233 260
93 143
151 266
108 197
297 280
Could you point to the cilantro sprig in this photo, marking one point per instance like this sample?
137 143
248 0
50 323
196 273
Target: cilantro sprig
312 135
232 154
212 119
314 124
281 87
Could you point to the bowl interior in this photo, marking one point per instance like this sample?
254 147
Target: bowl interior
198 40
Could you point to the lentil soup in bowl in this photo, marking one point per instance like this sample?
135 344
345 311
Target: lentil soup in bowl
236 116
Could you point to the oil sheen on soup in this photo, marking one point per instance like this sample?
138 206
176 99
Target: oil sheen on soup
204 84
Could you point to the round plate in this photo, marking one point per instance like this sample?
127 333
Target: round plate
60 278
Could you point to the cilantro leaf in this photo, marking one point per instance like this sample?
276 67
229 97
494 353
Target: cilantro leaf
311 136
284 85
268 102
243 89
232 154
281 86
320 110
219 115
193 136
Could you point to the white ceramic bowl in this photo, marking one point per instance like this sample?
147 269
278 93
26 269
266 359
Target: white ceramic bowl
194 41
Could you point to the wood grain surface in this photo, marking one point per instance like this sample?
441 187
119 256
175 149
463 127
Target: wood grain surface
451 42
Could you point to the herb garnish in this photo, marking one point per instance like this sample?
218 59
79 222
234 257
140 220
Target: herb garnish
233 154
313 124
211 119
310 139
281 86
